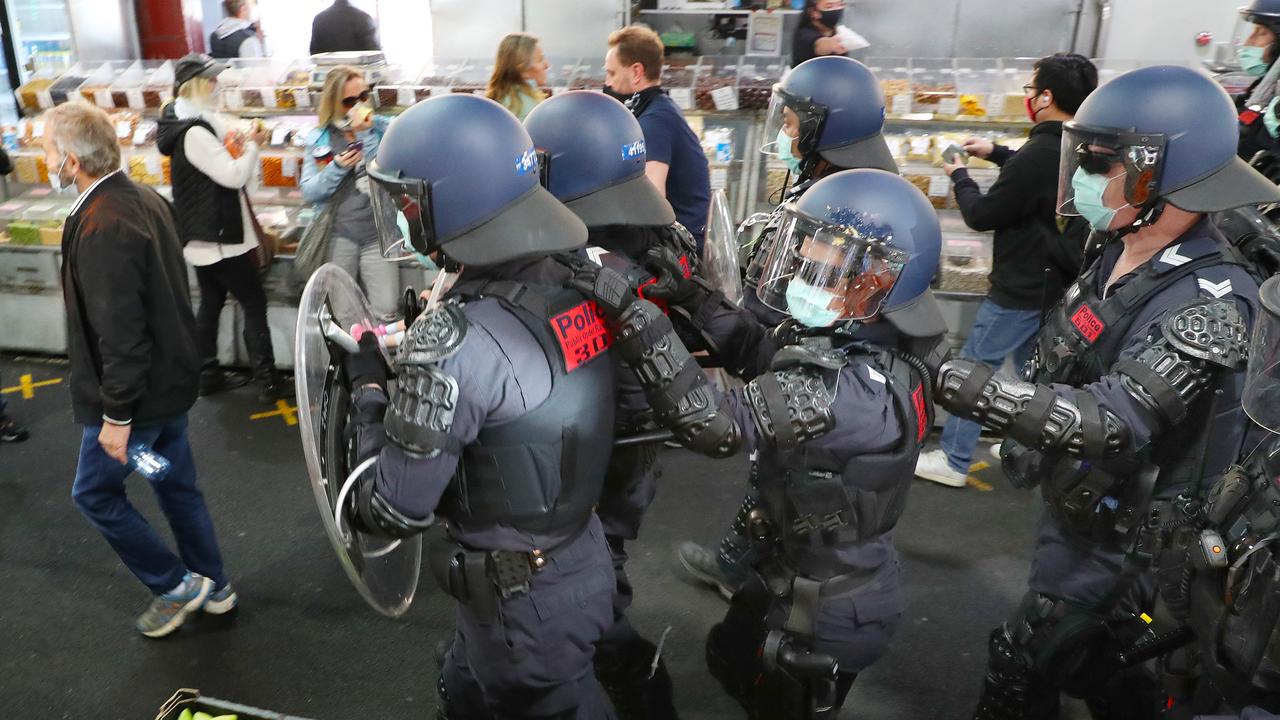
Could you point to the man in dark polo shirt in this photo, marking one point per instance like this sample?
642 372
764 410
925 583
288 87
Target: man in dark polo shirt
676 164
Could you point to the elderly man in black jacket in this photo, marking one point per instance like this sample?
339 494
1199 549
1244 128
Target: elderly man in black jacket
1029 251
135 366
341 27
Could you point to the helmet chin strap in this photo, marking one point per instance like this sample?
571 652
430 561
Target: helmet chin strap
1148 214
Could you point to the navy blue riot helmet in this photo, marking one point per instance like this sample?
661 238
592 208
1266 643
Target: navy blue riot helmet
857 245
592 154
463 173
1165 134
1263 12
832 108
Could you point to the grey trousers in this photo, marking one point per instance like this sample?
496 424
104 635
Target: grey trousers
379 278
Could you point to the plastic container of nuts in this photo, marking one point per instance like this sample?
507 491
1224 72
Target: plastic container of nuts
757 75
716 85
933 86
894 74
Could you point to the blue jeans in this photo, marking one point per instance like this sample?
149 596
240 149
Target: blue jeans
99 494
998 333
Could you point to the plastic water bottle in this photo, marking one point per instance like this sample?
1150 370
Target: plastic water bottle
147 462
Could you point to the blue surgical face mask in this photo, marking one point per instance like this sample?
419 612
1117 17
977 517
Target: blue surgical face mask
784 151
809 305
1088 189
1270 120
1251 61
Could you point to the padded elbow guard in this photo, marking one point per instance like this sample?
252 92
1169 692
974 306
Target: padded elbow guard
371 513
790 407
421 413
1032 414
1195 340
673 383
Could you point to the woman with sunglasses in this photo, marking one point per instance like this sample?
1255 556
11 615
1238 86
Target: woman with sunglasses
345 142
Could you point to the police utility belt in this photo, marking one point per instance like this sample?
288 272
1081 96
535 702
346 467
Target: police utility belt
482 579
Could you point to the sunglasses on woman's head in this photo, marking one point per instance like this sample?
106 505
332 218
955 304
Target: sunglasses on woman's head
350 102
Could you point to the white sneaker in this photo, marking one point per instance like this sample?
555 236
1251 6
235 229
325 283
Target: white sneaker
933 466
995 450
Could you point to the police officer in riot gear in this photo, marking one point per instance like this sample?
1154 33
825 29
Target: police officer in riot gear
1134 390
592 155
502 419
1257 55
1215 560
826 116
836 409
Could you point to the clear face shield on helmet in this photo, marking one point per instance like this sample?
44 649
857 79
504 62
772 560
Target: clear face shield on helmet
402 213
1105 170
1261 398
792 125
822 273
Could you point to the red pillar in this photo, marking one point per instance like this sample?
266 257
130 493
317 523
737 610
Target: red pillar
170 28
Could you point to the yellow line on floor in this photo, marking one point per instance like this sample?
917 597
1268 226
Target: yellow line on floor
975 482
283 409
27 387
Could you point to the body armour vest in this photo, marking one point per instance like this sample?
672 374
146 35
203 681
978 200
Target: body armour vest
543 471
1081 340
817 503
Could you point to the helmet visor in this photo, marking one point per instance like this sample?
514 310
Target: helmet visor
1132 163
837 272
1262 387
402 203
792 117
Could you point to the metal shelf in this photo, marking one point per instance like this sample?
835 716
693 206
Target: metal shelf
955 120
724 11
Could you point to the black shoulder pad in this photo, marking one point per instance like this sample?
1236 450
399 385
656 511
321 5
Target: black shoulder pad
435 335
1210 330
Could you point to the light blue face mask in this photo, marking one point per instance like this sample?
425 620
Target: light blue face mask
1251 61
1088 189
1270 120
784 152
809 304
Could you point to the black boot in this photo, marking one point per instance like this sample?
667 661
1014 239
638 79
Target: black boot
273 386
11 431
214 380
637 690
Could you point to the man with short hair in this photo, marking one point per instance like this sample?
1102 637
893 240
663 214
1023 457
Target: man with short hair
343 28
135 366
238 35
1033 262
676 163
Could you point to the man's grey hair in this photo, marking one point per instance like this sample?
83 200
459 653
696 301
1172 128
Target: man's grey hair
85 131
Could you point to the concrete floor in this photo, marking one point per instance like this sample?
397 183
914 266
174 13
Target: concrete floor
304 643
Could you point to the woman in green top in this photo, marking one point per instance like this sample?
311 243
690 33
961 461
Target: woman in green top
518 72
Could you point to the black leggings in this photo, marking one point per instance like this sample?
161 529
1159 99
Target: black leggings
239 276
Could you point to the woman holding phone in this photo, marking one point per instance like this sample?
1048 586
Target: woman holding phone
343 144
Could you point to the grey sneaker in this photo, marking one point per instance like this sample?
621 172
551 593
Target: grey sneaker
704 565
221 601
168 611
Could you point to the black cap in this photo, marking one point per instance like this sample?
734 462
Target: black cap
196 65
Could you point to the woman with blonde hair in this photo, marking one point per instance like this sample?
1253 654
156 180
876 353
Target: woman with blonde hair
518 71
333 171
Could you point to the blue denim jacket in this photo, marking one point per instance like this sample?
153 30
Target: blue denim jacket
319 184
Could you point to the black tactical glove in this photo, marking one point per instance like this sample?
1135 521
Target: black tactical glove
366 367
672 285
411 305
605 286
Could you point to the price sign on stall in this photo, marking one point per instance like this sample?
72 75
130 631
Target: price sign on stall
949 106
939 186
102 98
901 105
725 98
135 98
405 96
233 98
302 97
682 97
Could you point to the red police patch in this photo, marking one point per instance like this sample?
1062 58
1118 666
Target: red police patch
1087 323
922 414
581 333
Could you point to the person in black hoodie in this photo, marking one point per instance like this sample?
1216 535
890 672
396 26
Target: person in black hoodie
1021 207
135 364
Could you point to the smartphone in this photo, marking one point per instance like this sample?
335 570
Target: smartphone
953 153
357 145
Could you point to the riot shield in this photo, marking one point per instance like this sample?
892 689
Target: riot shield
384 571
1262 388
719 265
